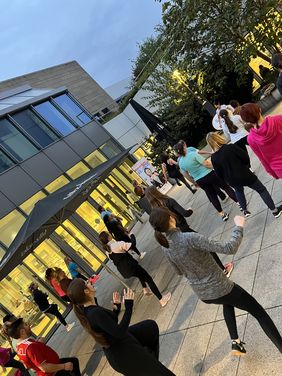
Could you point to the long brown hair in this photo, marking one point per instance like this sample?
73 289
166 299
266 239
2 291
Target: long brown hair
159 220
104 237
155 197
230 125
78 297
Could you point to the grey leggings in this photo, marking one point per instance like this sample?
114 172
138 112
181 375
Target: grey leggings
260 189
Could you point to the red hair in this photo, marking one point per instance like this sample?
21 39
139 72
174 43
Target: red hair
250 113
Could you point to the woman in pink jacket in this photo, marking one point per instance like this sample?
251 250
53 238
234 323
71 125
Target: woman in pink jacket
265 138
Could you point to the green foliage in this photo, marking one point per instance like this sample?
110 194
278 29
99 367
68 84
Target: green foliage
204 29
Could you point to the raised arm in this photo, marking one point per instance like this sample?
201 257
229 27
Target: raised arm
202 243
107 324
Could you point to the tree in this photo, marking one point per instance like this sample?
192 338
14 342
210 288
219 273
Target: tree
203 29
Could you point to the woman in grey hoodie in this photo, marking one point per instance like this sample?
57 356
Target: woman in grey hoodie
190 254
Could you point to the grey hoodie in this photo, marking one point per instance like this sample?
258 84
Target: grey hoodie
189 253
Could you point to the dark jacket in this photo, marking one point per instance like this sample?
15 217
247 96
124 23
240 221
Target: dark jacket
231 164
180 213
144 204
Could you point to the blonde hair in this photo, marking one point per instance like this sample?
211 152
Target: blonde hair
215 140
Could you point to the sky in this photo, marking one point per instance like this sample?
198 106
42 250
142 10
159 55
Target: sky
101 35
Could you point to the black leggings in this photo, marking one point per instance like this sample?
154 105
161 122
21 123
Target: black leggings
138 356
53 310
239 298
74 372
145 279
211 184
13 363
260 189
184 181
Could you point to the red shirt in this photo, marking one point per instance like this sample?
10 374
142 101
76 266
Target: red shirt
33 353
57 287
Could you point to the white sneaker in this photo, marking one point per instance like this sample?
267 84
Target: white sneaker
142 255
165 299
70 326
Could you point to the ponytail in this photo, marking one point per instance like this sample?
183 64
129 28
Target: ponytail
230 125
161 239
98 337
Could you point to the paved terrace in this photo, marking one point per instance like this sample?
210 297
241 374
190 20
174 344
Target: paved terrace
194 338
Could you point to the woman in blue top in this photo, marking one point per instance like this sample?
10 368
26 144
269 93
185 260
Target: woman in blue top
199 171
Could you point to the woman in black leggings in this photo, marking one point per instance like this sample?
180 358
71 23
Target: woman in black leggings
231 164
159 200
117 230
189 253
170 169
199 171
130 350
129 267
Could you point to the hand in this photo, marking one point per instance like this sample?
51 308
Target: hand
68 366
128 294
116 298
239 221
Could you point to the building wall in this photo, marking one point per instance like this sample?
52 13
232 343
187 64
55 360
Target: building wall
84 88
128 128
54 160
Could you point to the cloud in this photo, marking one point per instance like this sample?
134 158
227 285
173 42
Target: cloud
101 35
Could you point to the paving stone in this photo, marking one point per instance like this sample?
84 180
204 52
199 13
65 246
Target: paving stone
263 358
268 281
193 350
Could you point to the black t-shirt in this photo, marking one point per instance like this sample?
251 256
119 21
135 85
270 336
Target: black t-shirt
231 164
41 299
125 263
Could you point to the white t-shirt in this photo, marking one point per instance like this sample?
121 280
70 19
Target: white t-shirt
119 247
241 132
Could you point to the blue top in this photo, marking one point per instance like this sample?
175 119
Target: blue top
73 269
193 164
105 212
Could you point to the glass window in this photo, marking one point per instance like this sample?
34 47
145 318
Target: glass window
78 248
28 205
9 226
139 153
46 255
72 109
107 198
110 149
57 183
76 171
35 127
95 159
15 296
15 142
5 162
2 251
55 118
91 216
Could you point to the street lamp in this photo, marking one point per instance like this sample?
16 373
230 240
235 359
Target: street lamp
207 105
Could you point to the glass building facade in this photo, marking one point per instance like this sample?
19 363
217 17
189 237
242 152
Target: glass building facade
24 134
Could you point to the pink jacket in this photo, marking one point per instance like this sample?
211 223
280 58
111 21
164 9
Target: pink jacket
266 142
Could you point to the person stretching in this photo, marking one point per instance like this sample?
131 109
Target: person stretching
38 356
159 200
129 267
189 253
130 350
199 171
41 300
231 164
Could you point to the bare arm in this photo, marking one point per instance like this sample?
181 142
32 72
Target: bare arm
207 163
189 177
164 169
50 367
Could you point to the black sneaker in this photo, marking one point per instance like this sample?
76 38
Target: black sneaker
246 213
225 217
238 348
277 212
